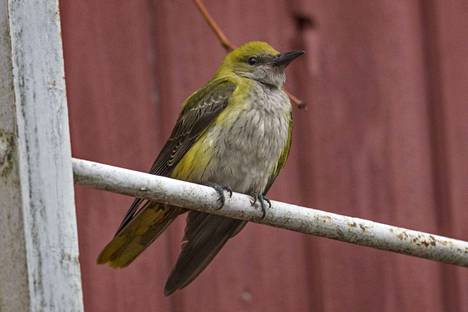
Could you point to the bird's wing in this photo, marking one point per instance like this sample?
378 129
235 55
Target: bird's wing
206 234
199 110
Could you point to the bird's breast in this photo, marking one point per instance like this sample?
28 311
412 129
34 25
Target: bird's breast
242 147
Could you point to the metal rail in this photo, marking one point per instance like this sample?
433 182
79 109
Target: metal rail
296 218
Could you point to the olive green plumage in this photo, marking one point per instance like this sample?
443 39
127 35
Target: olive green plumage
234 132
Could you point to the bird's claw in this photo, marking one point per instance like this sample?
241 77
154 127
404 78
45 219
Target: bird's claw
220 190
261 199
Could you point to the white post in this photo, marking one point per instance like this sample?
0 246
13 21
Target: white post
39 268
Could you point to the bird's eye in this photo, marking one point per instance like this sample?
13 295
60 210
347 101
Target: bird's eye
252 60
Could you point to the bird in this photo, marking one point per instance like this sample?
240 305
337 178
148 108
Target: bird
233 134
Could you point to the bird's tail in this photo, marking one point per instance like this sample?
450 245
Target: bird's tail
205 235
138 234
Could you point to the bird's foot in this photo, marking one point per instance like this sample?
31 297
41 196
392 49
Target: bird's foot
220 189
263 200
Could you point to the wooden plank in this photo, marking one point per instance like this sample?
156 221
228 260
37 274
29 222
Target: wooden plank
39 250
368 144
365 142
447 80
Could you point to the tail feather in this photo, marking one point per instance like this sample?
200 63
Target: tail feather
138 234
205 235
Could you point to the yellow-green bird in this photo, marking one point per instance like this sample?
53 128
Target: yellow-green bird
232 134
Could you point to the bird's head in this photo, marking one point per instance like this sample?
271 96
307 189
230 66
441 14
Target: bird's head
257 60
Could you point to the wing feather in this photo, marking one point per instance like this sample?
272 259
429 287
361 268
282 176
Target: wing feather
199 110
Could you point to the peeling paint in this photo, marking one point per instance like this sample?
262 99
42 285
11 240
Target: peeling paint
37 214
402 235
363 227
7 150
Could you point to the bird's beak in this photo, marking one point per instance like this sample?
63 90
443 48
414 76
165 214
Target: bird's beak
285 58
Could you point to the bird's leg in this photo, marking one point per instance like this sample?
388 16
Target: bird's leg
220 190
261 199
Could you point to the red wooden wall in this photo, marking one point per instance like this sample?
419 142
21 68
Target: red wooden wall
385 137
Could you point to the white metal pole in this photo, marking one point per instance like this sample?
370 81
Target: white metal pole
287 216
39 268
